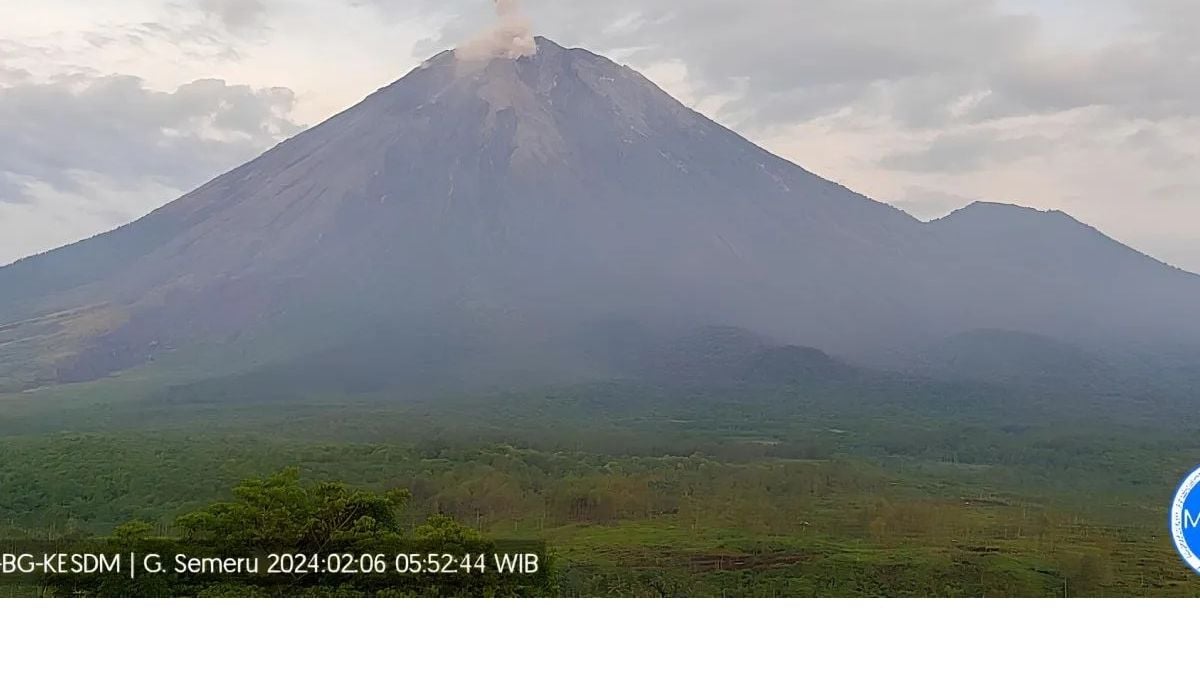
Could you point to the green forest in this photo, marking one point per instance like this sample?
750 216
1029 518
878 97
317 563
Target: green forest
715 505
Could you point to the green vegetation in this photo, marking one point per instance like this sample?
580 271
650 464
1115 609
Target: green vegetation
942 514
804 477
329 540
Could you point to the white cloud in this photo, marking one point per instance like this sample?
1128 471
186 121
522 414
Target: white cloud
116 127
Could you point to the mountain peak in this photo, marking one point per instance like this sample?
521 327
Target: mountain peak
544 42
1003 216
981 207
498 199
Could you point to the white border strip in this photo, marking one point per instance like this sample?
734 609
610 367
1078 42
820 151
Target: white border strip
596 636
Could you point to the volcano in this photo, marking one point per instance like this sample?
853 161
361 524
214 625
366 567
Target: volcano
523 218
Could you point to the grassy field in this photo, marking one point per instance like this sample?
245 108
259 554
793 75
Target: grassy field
737 519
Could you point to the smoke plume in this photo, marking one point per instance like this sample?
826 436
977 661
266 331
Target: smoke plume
511 37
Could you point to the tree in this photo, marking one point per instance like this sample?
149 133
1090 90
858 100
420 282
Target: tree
281 510
340 541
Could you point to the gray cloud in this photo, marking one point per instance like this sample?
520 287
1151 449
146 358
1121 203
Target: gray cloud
12 189
1175 191
199 30
1158 148
117 127
13 53
965 151
916 62
13 75
193 40
789 59
236 15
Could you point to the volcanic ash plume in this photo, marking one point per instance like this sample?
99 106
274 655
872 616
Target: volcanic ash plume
511 37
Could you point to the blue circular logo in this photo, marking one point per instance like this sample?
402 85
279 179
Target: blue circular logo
1185 520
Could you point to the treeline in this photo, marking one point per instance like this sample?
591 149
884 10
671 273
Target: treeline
622 524
92 483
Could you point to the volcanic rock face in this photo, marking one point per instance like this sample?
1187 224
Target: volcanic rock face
489 211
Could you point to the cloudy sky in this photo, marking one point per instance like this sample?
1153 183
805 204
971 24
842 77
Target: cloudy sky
110 108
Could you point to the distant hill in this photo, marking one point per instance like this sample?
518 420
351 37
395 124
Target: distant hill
1014 357
1049 274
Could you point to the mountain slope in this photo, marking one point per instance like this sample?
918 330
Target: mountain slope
1014 358
486 212
1049 273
